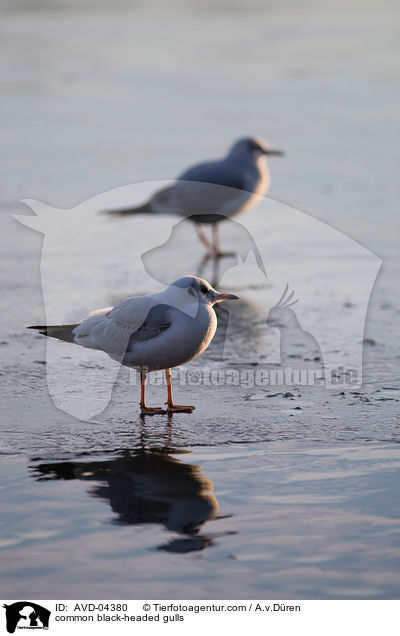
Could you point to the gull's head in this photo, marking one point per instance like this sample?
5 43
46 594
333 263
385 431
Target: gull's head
200 290
252 148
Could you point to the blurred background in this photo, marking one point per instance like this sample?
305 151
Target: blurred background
97 94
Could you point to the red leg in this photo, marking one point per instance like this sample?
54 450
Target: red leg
174 408
202 236
147 410
215 250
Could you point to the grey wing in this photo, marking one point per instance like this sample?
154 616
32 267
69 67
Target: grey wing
209 190
156 322
223 173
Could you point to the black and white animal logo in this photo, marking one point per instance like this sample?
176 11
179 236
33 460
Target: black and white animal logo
25 615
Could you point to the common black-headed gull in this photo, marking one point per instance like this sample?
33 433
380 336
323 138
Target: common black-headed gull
150 333
209 192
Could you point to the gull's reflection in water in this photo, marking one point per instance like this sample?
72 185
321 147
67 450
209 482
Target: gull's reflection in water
147 486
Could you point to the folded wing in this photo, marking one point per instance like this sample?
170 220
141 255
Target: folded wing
110 330
213 188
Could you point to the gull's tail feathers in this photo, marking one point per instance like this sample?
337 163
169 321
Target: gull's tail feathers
141 209
61 332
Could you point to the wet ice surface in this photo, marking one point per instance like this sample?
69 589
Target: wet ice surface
264 491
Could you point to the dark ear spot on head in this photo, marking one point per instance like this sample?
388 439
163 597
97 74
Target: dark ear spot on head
191 291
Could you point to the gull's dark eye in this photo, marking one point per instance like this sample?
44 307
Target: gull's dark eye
203 289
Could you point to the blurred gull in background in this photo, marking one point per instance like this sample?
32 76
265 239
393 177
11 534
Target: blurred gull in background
212 191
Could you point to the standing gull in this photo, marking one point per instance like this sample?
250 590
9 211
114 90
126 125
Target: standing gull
209 192
150 333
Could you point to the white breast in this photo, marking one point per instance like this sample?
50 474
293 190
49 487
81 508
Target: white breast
183 341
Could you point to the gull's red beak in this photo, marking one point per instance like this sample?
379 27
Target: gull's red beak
220 297
271 151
